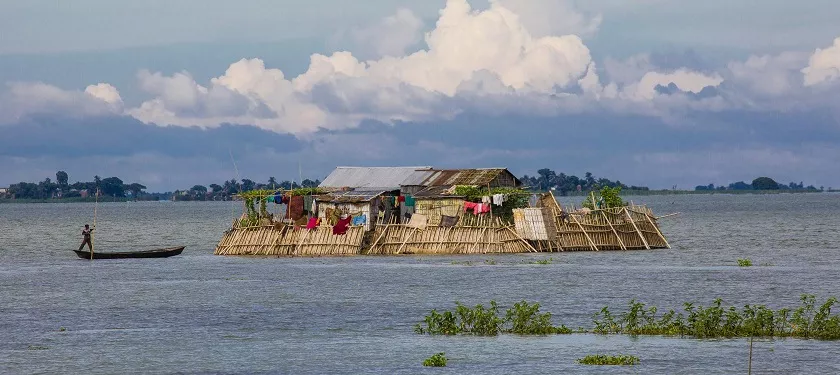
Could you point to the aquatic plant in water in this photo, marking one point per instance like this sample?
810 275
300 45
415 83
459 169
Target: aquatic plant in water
600 359
806 321
437 360
744 263
521 319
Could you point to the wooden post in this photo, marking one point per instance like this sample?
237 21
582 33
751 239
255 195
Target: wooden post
620 242
658 232
384 230
407 238
527 244
591 243
644 241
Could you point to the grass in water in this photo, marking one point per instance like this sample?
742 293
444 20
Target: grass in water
806 321
437 360
543 261
521 319
616 360
490 262
744 263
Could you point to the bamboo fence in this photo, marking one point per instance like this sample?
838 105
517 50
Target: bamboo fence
288 240
394 239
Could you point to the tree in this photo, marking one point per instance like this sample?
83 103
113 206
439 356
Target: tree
112 186
199 189
248 185
765 183
61 178
272 183
135 189
215 188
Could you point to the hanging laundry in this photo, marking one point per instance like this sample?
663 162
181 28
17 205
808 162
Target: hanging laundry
499 199
485 199
418 221
307 203
448 221
278 198
409 201
401 198
284 199
341 226
313 223
469 206
270 199
295 209
390 201
481 208
332 215
359 220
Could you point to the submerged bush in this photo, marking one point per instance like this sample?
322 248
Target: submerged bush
744 263
807 321
600 359
437 360
521 319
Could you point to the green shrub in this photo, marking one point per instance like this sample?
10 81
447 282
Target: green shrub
437 360
744 263
600 359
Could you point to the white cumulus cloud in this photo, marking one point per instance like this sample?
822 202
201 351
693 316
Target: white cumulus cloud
824 65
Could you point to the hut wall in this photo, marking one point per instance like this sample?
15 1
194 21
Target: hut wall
365 208
536 224
434 208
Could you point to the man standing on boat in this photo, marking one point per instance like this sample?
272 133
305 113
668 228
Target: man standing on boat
86 234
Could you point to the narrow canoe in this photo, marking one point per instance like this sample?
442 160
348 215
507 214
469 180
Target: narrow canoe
156 253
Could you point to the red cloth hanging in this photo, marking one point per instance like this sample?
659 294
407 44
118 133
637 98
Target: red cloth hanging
401 198
340 228
313 223
295 208
469 206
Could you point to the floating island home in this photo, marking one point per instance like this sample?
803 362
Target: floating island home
424 210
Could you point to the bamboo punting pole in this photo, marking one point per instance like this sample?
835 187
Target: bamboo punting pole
620 242
644 241
95 205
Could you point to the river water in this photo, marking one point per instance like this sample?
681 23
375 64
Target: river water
200 314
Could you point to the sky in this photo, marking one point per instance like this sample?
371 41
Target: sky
651 92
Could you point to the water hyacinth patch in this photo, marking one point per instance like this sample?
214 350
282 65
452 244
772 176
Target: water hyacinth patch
437 360
613 360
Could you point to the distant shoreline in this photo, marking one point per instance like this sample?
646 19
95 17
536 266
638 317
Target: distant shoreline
556 194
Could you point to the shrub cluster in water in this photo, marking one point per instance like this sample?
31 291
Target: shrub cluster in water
521 319
437 360
619 360
806 321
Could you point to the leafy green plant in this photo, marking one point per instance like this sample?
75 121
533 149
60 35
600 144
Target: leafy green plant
544 261
437 360
616 360
744 263
521 319
490 262
607 197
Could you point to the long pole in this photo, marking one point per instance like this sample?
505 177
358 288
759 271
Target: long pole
95 205
749 366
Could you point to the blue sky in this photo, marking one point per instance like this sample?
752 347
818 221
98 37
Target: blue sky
651 92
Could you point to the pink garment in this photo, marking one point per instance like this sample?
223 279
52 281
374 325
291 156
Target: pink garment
469 206
481 208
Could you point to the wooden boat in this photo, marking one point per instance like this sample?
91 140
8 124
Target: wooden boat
156 253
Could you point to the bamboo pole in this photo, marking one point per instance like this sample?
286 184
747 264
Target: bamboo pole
644 241
620 242
591 243
384 230
95 205
406 240
527 245
657 231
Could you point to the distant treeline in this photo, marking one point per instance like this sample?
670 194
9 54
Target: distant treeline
62 189
230 188
761 183
547 179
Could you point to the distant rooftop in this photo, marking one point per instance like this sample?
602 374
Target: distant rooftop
375 178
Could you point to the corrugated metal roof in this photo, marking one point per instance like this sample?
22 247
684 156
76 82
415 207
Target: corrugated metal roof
352 196
479 177
374 178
